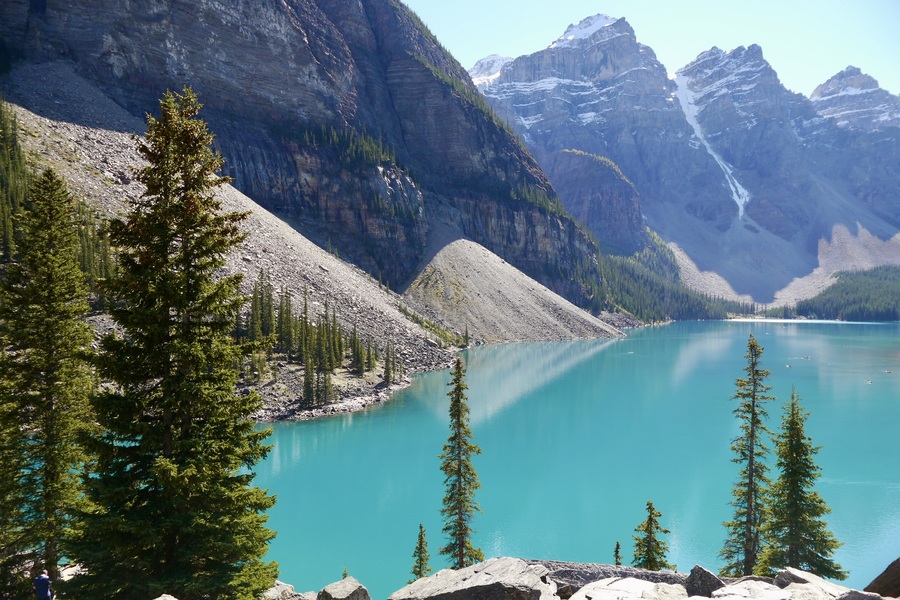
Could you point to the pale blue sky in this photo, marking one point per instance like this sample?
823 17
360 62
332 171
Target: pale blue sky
805 41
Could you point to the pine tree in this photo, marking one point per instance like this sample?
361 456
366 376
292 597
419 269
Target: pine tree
46 379
743 544
420 566
13 180
617 554
649 547
176 511
460 478
795 533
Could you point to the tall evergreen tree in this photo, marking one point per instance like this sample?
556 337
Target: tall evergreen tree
43 302
649 547
743 544
13 180
460 478
796 534
617 554
176 510
420 566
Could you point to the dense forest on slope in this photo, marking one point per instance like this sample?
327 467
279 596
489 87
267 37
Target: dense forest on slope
648 286
872 295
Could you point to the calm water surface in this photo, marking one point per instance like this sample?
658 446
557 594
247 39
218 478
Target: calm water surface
576 437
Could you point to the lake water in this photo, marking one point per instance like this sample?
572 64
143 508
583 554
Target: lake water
576 437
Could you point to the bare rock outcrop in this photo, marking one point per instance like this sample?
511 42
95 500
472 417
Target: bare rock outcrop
888 582
494 579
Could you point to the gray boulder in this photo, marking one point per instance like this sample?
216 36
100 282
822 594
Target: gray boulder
752 588
282 591
347 588
888 583
702 582
493 579
803 585
629 588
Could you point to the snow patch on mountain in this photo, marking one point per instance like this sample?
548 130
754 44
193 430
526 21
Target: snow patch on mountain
487 70
686 97
583 30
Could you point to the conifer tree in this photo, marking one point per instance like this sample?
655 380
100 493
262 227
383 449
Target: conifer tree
649 547
460 478
743 544
46 379
175 508
420 566
796 534
617 554
13 180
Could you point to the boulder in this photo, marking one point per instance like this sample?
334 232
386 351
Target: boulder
702 582
888 583
629 588
858 595
283 591
347 588
755 588
494 579
802 584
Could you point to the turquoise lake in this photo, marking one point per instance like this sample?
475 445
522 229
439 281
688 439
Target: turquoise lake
577 436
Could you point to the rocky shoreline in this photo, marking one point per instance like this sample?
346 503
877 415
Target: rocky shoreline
518 579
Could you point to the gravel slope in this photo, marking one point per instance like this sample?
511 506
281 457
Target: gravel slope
70 125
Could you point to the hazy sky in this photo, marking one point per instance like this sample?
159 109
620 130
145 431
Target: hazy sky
805 41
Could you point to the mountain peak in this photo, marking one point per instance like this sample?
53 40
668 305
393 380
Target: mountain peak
585 29
849 81
487 69
853 100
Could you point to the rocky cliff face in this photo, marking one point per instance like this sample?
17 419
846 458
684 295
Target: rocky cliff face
345 118
853 100
752 183
601 197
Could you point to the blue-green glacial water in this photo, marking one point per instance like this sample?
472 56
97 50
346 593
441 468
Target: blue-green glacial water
576 437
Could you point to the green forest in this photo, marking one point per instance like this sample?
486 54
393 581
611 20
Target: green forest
872 295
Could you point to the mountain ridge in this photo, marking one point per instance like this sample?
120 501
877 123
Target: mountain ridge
743 178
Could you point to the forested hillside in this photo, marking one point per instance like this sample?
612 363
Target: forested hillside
872 295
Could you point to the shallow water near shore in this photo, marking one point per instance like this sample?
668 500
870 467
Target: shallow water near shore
577 436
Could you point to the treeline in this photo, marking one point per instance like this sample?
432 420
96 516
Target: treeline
94 254
272 325
355 148
872 295
647 285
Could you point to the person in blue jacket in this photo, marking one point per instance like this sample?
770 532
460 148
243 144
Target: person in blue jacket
42 586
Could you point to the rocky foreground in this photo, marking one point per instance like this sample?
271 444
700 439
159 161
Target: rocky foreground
517 579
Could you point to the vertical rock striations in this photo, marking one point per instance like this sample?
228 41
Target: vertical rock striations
346 118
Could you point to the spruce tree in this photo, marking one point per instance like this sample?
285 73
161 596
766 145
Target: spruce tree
617 554
175 508
743 544
460 478
420 566
649 547
796 534
13 179
47 381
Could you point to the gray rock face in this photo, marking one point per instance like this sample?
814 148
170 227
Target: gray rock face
347 588
494 579
746 177
509 578
888 582
853 100
702 582
294 90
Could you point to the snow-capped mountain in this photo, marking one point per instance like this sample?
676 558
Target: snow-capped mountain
754 187
853 99
486 70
